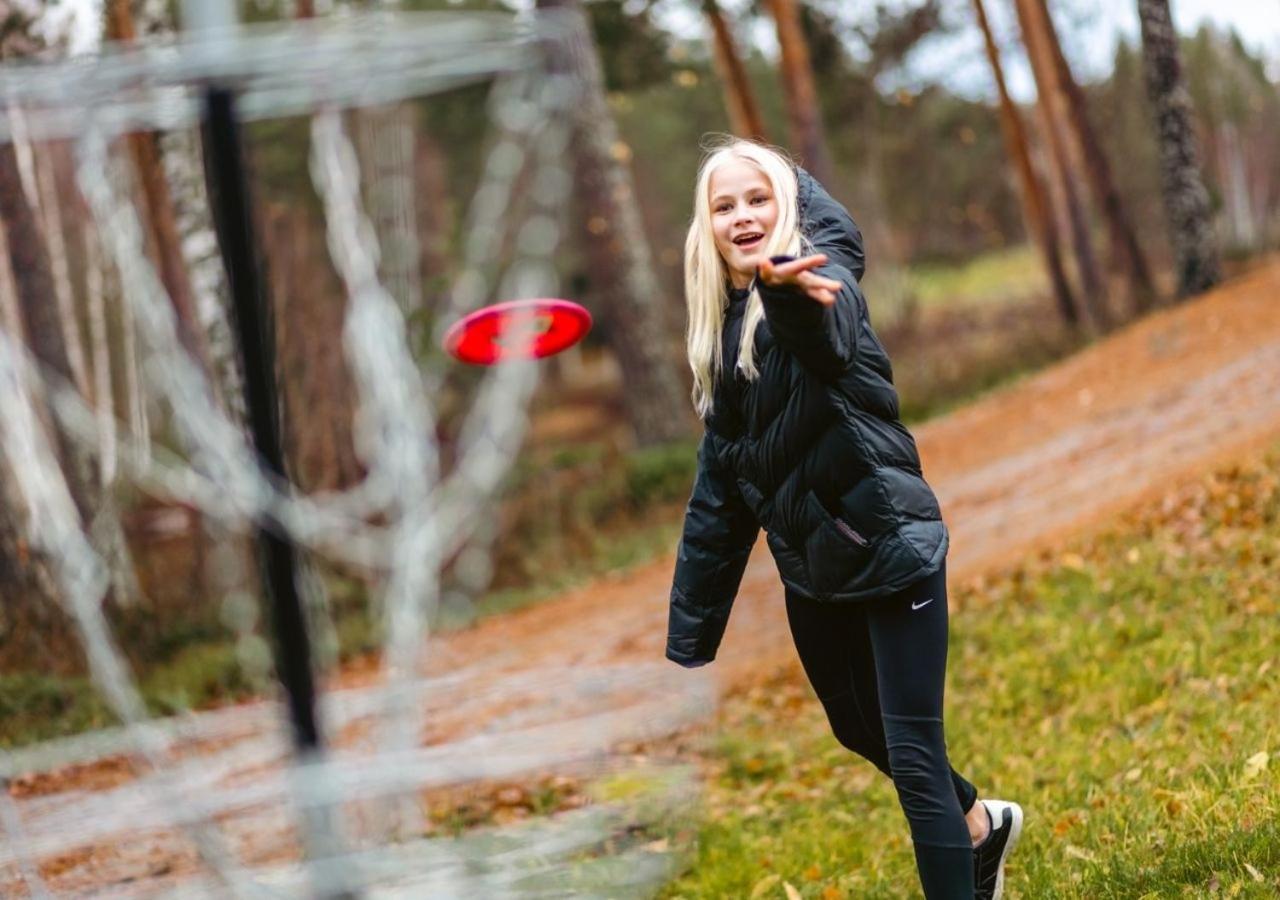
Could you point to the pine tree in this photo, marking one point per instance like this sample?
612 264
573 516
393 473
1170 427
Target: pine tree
1186 200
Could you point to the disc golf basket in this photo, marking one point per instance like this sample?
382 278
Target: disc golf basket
322 793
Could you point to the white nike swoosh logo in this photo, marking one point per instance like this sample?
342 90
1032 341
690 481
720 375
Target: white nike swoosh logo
925 603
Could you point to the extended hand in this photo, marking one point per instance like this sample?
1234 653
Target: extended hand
797 272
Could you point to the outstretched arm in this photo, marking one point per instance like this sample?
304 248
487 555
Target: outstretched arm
719 532
813 308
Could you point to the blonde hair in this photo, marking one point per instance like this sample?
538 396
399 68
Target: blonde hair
706 276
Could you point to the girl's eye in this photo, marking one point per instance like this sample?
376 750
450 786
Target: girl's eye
760 199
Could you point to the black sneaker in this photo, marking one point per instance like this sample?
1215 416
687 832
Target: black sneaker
989 856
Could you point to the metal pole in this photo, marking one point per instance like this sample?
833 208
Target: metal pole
233 217
232 206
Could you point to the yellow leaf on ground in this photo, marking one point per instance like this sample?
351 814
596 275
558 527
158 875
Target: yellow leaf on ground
1080 853
764 884
1254 873
792 893
831 892
1254 765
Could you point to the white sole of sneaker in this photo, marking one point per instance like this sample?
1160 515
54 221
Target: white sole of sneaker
1015 832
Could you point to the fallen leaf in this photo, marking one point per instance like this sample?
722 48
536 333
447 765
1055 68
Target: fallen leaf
831 892
792 893
1254 765
1253 873
764 884
1080 853
1063 825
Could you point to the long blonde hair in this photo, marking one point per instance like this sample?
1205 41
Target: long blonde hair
706 276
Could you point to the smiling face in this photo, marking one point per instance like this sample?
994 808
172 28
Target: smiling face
743 214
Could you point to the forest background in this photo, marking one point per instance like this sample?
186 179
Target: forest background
956 284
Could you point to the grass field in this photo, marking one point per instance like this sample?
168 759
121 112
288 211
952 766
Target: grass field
1010 275
1122 689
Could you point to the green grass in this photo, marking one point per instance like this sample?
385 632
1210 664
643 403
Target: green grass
1130 682
998 278
36 707
1008 275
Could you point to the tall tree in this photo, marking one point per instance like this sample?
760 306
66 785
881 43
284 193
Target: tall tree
33 282
1040 223
804 113
160 222
621 261
1186 200
31 611
740 98
1125 253
1052 107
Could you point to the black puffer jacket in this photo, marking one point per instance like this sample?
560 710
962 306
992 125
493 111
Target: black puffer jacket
812 451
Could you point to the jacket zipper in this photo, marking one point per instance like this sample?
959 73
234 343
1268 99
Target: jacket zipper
848 532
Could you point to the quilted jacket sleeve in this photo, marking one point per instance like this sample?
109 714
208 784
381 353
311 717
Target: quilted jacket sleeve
719 532
828 227
823 338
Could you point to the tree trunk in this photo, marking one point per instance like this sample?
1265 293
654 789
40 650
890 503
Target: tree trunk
1035 207
803 112
29 610
1092 287
317 396
1186 201
10 315
621 260
1126 253
49 213
33 281
100 355
1235 188
160 223
739 98
385 144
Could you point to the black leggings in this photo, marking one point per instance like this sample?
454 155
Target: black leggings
878 668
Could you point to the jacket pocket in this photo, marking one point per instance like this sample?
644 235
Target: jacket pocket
836 553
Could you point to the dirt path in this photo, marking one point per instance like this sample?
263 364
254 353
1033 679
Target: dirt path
1020 470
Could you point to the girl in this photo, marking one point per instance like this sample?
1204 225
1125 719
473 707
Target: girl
803 439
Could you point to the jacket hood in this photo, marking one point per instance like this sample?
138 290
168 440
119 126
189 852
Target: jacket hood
827 223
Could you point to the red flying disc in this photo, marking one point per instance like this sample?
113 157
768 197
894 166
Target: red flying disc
517 329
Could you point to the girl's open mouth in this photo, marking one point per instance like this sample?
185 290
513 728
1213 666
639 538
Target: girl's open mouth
749 241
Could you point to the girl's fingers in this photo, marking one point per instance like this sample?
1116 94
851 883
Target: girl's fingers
796 266
823 290
809 279
797 272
